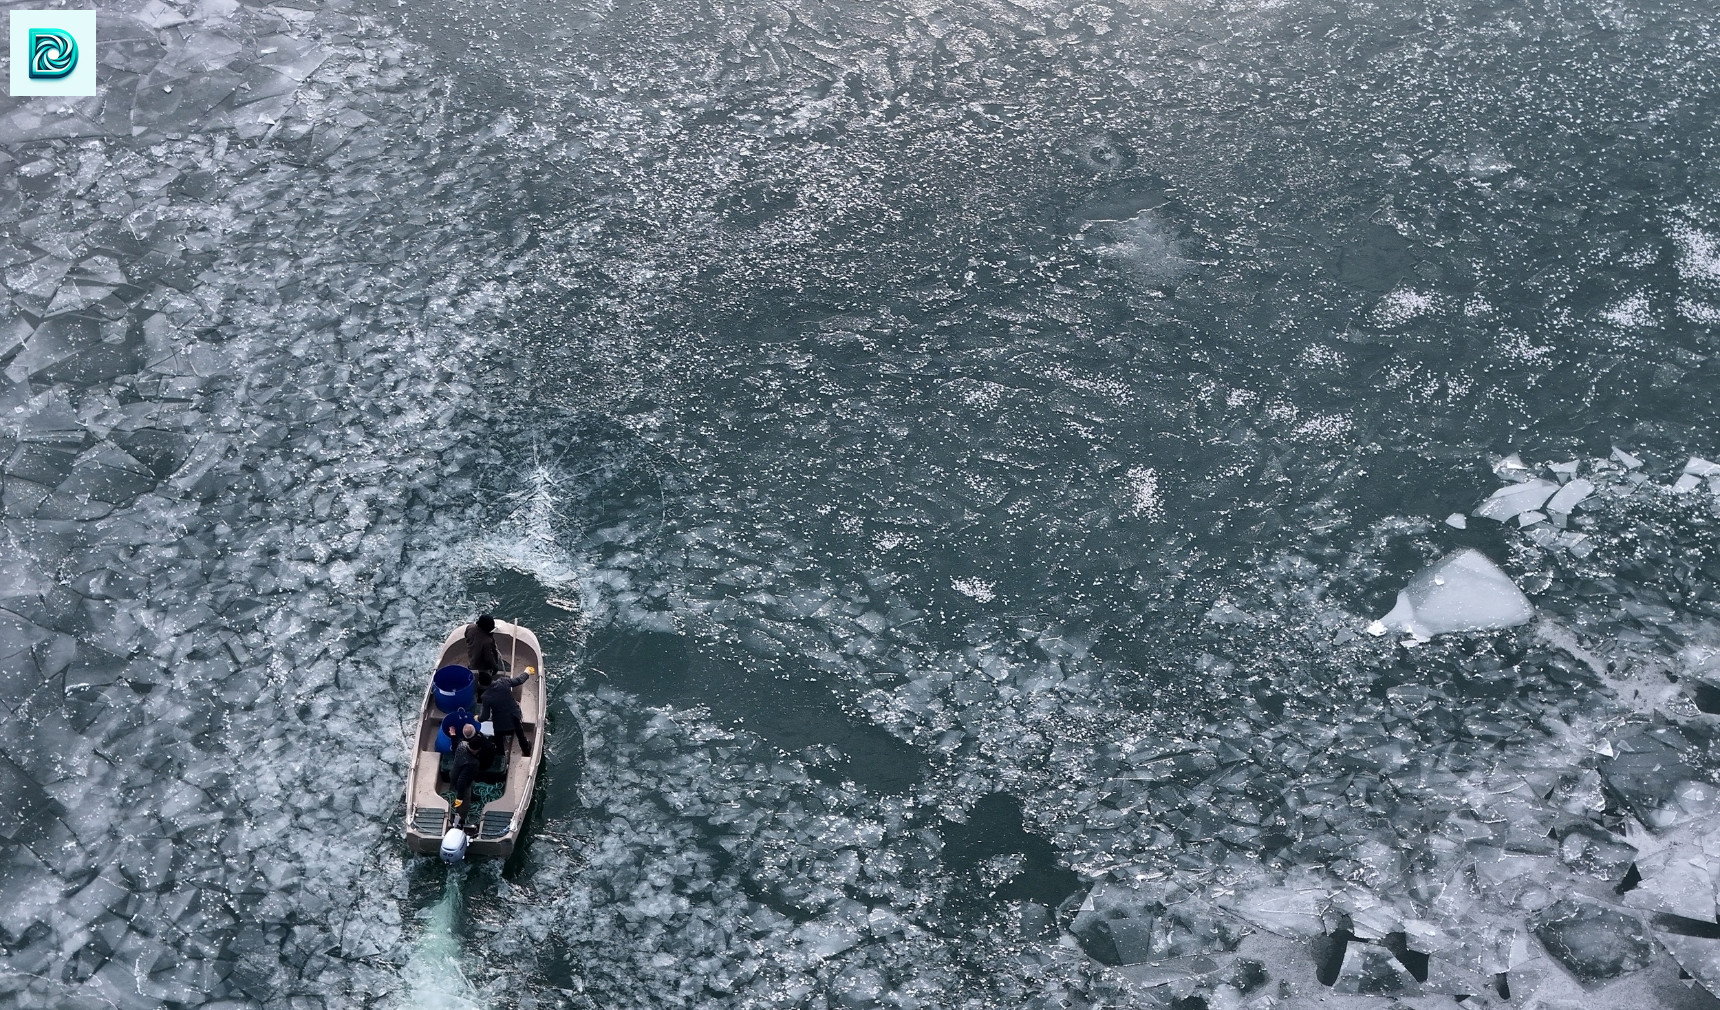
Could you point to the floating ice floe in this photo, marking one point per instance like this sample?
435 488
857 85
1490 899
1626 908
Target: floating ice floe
1463 591
1512 468
1569 496
1695 473
1515 499
1594 941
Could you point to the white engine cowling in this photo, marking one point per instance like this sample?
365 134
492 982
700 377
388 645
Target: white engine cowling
454 846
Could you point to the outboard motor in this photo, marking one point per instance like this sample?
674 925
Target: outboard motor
454 846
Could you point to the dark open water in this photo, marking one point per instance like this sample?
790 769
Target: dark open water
951 453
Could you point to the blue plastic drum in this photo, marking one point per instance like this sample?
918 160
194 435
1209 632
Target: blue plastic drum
455 689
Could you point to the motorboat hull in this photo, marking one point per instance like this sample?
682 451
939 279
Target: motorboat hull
428 813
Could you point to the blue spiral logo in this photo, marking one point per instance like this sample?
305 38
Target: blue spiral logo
53 54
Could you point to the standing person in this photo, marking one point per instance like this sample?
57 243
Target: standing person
481 653
505 714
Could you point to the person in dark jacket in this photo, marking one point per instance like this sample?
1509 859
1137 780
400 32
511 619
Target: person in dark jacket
471 754
453 726
481 653
504 711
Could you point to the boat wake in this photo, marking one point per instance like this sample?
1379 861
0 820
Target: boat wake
433 976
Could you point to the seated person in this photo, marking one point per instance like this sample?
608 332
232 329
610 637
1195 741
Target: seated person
471 754
450 732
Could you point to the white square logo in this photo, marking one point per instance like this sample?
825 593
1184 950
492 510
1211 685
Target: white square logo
53 53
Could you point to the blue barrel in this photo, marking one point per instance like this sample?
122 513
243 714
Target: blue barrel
454 689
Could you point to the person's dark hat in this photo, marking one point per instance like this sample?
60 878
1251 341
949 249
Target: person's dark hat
486 622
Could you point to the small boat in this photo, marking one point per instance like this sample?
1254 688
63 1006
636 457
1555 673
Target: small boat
493 830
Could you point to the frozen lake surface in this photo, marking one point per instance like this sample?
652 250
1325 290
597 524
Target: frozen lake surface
1027 504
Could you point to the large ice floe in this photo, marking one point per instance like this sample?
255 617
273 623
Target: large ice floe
1463 591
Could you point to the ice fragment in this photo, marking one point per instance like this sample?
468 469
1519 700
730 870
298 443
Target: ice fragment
1567 497
1288 911
1511 468
1675 883
1699 956
1594 941
1515 499
1369 970
1456 520
824 939
1648 770
1463 591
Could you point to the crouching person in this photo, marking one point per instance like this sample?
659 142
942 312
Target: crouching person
471 755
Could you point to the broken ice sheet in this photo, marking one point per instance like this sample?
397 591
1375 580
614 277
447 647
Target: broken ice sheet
296 58
1594 941
1121 941
1515 499
1170 970
1699 956
1225 612
1286 910
1567 497
1463 591
1370 970
1511 468
1674 883
826 939
1648 771
1595 852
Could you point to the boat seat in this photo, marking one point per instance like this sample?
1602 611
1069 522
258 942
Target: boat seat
494 823
428 820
